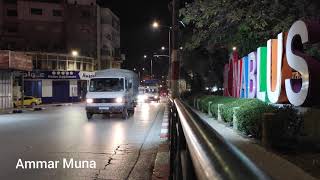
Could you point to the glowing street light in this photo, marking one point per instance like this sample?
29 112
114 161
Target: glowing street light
163 48
155 25
145 56
74 53
234 48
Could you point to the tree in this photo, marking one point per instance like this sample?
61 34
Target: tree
214 27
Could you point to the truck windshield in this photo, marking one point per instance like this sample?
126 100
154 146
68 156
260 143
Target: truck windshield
106 85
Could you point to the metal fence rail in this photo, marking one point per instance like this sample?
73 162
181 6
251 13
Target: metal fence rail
198 152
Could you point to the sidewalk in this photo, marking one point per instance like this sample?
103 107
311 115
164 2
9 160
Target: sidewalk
28 109
272 164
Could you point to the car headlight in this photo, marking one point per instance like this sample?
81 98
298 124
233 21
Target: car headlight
119 100
89 101
142 97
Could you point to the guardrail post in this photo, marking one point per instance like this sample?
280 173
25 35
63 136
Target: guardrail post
234 118
195 102
198 104
219 112
209 108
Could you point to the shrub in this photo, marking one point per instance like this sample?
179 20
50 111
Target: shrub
227 108
249 116
220 100
205 102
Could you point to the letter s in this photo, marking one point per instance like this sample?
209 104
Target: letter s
297 63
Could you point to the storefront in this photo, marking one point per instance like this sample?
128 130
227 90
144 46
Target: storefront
57 86
10 63
6 82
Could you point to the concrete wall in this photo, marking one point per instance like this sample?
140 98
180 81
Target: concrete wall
81 29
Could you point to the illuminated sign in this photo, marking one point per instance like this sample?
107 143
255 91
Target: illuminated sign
281 72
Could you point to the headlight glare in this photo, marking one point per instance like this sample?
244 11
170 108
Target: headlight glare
89 101
119 100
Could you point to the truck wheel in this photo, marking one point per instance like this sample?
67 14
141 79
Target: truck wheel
125 113
89 115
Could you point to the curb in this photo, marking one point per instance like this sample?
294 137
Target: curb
37 108
164 135
161 168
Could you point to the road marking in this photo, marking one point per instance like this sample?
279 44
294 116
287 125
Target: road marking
164 135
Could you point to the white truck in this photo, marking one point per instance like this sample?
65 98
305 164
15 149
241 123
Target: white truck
112 91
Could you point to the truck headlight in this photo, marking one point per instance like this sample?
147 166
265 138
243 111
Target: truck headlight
89 101
119 100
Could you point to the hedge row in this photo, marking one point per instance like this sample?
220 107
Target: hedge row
248 116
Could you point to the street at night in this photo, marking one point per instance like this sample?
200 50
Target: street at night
122 149
159 90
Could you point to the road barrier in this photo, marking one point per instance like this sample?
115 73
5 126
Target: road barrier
198 152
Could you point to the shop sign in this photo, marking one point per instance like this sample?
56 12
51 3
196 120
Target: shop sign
84 75
280 72
51 75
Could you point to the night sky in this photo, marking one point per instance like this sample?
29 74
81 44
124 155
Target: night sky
137 36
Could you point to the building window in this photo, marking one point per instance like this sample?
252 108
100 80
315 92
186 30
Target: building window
36 11
85 14
57 13
62 65
10 1
12 12
12 29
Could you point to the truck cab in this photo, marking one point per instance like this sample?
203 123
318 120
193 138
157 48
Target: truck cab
110 93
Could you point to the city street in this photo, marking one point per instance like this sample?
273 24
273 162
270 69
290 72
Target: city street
122 149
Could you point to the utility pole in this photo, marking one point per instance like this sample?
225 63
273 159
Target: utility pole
175 61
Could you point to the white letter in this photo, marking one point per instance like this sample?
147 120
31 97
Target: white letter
93 165
66 165
19 164
297 63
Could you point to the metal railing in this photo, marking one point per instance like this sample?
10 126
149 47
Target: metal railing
197 151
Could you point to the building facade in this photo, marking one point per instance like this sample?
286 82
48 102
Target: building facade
60 26
57 78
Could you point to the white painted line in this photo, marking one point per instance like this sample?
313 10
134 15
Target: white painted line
165 124
164 131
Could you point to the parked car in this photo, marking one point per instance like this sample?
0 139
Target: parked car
28 101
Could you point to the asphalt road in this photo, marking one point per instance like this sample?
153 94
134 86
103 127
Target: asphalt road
121 149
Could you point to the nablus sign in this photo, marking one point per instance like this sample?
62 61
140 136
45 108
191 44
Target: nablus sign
281 72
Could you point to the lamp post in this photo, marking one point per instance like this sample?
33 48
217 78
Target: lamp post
74 54
156 25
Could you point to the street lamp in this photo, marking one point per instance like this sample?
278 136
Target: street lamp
234 48
145 56
155 24
163 48
74 53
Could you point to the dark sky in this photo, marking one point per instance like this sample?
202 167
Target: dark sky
137 36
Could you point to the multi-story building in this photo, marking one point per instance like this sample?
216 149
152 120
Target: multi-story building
59 26
46 31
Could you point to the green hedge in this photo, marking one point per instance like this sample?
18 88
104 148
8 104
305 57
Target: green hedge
220 100
249 115
227 108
